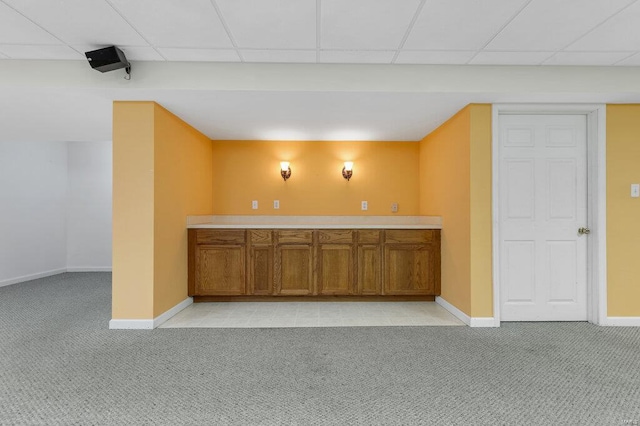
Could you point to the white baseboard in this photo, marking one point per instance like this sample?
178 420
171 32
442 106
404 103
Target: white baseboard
131 324
622 321
30 277
148 324
453 310
89 269
470 321
171 312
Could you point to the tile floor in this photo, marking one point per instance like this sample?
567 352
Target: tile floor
310 314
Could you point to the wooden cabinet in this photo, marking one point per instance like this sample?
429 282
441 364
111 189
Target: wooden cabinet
218 260
335 273
412 262
294 263
369 263
305 262
260 262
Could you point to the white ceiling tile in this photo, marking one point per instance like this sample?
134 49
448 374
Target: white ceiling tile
275 24
43 51
434 57
552 24
176 23
631 61
365 24
80 21
195 55
16 29
621 32
510 58
291 56
586 58
356 56
456 24
133 53
141 53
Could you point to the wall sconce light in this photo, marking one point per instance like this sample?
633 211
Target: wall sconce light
347 170
285 170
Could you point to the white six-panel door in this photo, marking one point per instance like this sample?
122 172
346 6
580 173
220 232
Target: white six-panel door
543 203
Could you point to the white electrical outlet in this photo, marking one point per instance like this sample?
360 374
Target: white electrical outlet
254 204
365 205
394 208
635 190
276 204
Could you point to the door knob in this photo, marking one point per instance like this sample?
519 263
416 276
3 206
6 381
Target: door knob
583 231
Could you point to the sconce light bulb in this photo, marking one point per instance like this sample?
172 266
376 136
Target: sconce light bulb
285 170
347 170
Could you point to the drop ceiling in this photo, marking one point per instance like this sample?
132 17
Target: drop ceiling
510 33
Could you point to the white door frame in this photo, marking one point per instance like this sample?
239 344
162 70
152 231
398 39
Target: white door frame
596 199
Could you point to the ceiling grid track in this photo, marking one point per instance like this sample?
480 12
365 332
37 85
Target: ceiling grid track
41 27
318 29
593 29
409 29
228 30
505 25
115 9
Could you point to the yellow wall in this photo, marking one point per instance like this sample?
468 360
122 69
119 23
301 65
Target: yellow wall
165 170
162 172
455 183
383 173
133 146
183 186
481 212
445 191
623 212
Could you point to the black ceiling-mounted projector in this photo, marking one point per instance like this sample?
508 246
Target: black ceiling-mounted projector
108 59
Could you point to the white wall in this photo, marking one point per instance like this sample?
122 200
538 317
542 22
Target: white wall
89 206
55 208
33 210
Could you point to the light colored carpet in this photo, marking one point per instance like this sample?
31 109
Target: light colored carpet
60 365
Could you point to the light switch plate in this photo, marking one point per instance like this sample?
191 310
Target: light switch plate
254 204
635 190
394 208
365 205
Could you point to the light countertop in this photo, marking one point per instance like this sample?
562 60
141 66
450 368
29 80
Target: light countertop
314 222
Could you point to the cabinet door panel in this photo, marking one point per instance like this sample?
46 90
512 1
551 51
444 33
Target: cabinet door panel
220 270
410 236
303 236
261 270
294 269
220 236
369 270
335 275
409 269
260 236
335 236
368 236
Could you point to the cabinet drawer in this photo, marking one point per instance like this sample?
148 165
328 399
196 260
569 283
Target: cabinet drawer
368 237
410 236
215 236
335 236
295 236
260 236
